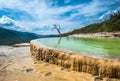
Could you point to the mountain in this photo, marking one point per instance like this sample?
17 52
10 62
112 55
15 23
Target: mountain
110 25
6 21
106 15
11 34
8 37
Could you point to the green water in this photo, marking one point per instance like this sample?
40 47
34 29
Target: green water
108 46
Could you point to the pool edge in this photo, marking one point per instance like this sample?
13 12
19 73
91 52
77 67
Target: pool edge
95 66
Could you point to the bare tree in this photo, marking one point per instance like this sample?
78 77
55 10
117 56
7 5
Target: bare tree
57 27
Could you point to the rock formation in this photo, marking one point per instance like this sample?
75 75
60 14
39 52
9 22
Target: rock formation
75 62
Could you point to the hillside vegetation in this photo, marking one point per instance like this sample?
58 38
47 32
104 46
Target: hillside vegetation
9 37
111 25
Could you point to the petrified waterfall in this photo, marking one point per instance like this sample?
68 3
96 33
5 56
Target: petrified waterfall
95 66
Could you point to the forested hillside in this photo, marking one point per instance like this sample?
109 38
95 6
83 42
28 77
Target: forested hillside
111 25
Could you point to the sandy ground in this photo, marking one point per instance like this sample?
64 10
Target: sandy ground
17 65
100 34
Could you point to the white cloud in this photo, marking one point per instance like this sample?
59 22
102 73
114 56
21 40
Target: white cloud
48 15
90 9
4 20
93 8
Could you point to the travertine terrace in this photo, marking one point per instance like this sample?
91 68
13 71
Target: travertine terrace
76 62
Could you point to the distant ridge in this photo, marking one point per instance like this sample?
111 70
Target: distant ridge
9 37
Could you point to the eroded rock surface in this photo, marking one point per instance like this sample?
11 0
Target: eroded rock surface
75 62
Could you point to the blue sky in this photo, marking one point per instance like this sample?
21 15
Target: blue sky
42 14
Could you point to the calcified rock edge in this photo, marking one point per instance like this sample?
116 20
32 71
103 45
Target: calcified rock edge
75 62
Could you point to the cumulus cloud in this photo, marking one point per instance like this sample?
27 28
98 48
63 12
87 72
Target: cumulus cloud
42 13
5 21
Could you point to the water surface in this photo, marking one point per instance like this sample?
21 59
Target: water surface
107 46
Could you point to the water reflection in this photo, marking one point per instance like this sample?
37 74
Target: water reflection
59 41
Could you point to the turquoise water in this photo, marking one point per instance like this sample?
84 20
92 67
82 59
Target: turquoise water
108 46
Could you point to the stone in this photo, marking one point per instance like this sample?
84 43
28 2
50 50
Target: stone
29 70
98 79
62 68
48 74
